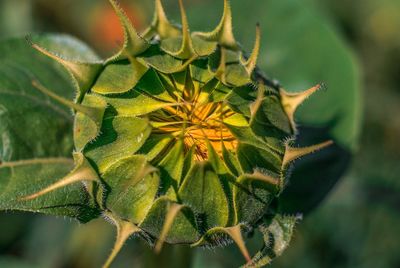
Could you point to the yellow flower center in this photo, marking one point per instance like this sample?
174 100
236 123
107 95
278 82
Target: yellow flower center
198 123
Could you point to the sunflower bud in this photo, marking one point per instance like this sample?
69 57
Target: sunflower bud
179 138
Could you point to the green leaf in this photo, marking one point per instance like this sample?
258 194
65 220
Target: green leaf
237 75
85 128
119 77
184 228
225 178
271 122
277 235
16 182
255 191
240 99
23 107
134 103
160 60
231 161
35 131
253 151
200 72
152 85
132 185
171 167
203 47
202 190
121 136
251 158
155 145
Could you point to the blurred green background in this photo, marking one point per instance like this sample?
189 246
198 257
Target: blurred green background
350 45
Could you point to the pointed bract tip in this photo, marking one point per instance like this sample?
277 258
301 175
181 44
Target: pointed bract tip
83 73
124 230
226 33
235 233
223 33
161 23
48 53
251 63
293 153
184 20
159 9
173 211
133 43
186 50
82 172
94 113
295 99
291 101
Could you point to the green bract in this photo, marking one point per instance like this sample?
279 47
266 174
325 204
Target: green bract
180 139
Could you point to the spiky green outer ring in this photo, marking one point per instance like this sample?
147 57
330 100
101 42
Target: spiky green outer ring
178 137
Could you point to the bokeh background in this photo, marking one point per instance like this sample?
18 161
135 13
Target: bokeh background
353 46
